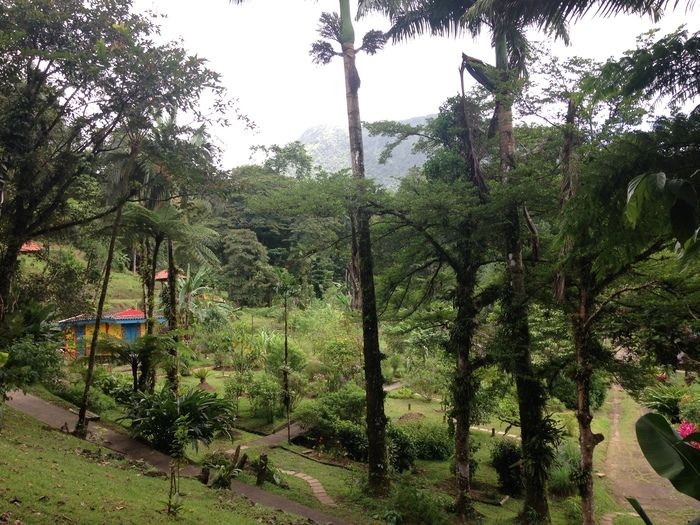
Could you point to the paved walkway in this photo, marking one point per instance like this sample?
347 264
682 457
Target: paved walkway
315 485
59 417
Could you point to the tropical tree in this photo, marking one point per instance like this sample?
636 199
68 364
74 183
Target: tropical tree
339 29
436 239
73 75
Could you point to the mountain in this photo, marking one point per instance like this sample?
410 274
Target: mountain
328 145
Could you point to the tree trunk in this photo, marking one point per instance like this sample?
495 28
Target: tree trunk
376 419
463 387
531 395
173 371
584 371
8 269
81 425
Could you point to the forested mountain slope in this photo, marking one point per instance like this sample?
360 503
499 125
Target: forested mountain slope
328 146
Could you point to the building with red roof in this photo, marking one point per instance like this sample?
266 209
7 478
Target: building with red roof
127 325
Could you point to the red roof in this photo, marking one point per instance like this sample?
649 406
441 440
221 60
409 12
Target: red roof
125 315
131 313
30 247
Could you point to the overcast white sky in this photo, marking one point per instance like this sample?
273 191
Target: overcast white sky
261 49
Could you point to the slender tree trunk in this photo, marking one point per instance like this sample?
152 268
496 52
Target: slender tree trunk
376 419
172 372
8 269
135 373
463 387
81 425
584 371
531 395
285 373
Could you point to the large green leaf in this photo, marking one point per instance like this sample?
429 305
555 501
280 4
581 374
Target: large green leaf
668 455
640 190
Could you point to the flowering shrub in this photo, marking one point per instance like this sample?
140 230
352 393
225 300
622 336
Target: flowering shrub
685 429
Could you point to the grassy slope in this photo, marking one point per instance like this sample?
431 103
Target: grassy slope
54 484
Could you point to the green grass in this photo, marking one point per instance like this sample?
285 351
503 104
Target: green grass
124 291
51 481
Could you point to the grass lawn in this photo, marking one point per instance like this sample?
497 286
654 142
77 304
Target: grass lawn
48 479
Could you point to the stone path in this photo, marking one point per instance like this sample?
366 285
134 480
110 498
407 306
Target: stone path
315 485
61 418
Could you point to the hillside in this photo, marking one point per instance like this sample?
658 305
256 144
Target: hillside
328 146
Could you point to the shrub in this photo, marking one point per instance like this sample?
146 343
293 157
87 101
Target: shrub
689 406
416 507
402 451
402 393
265 396
564 388
664 398
202 415
98 401
506 458
274 360
29 361
202 374
564 474
347 403
572 510
430 440
221 470
568 423
353 438
235 386
115 387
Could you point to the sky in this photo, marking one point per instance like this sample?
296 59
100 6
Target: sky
261 49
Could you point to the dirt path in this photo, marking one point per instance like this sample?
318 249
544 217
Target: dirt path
632 476
58 417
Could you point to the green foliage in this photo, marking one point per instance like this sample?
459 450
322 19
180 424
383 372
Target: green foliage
155 417
236 385
430 440
341 359
265 396
402 393
115 387
98 401
274 358
689 406
250 278
506 458
664 398
669 455
564 389
221 470
64 285
415 507
401 448
34 320
564 474
28 362
336 420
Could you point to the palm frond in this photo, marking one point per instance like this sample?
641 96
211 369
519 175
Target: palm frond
410 18
668 67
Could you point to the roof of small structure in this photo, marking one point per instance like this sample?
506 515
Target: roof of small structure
30 247
163 275
130 314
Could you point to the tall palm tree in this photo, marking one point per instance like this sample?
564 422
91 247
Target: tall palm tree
340 29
